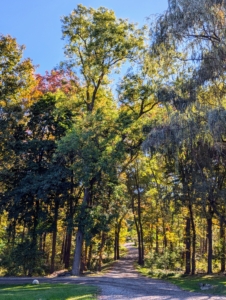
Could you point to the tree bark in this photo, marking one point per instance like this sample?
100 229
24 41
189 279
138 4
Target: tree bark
157 237
210 241
34 238
222 243
44 242
79 236
117 238
140 260
101 251
67 250
52 267
139 223
193 261
90 255
62 253
69 225
116 242
165 242
188 246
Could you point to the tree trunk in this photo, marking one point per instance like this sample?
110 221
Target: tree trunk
52 267
14 232
62 253
117 249
210 241
140 260
90 255
79 236
117 238
34 238
85 257
78 252
44 242
193 262
157 237
40 243
67 250
188 246
69 225
165 242
139 223
101 251
116 242
82 266
222 244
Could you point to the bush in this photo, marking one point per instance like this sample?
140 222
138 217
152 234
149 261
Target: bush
168 260
22 259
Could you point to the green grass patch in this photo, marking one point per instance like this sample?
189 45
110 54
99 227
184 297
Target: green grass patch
189 283
46 291
157 273
192 283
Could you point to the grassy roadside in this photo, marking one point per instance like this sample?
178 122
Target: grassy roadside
46 291
192 283
189 283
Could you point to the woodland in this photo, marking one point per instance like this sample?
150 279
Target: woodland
92 156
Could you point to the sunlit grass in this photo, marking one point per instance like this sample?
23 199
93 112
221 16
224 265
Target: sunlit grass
192 283
189 283
46 291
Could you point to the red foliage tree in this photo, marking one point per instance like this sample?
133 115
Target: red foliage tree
55 80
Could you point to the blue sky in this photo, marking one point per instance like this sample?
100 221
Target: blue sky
37 25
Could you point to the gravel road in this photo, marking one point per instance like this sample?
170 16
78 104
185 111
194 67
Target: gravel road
123 282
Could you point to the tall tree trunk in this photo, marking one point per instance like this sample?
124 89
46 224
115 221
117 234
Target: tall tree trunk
34 238
157 237
23 233
40 242
56 208
117 249
79 236
69 225
85 257
90 255
222 243
14 232
116 242
165 242
67 249
210 241
82 266
44 242
139 222
193 262
117 238
140 261
188 246
101 251
62 253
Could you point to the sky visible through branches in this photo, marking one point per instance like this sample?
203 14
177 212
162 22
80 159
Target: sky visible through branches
37 25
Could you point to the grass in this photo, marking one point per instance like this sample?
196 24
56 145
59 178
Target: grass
189 283
46 291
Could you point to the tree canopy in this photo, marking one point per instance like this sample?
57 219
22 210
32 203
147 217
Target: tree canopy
144 162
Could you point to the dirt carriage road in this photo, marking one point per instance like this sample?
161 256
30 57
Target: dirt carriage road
122 282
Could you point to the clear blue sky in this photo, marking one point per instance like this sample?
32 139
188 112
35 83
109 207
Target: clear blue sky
37 25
